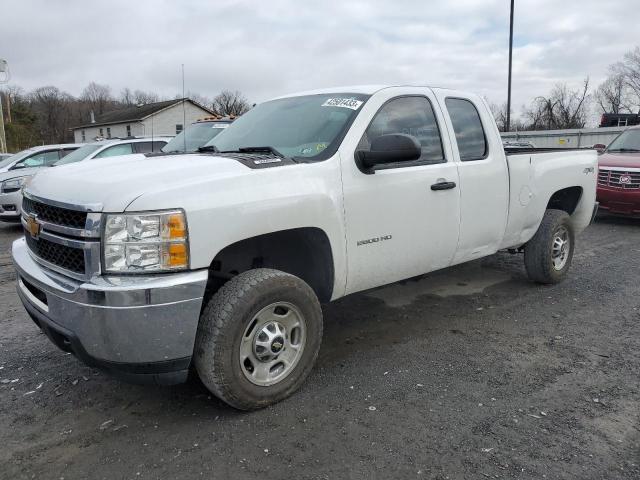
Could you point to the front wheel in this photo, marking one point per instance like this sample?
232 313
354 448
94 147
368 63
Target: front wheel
548 255
258 338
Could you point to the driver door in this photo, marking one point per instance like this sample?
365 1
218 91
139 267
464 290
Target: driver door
398 224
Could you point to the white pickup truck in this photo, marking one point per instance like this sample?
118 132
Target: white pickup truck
219 260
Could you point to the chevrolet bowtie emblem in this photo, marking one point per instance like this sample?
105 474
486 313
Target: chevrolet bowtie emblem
33 226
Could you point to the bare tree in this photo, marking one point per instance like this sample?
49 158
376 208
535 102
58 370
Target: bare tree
230 103
53 113
630 68
500 115
572 105
563 108
142 98
126 97
201 99
97 97
612 96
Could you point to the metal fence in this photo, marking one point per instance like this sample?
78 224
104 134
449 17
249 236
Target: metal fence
576 138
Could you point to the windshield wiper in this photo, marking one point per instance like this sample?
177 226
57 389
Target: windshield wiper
266 149
624 150
209 148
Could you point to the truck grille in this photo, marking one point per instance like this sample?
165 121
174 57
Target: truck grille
65 239
68 258
619 179
57 215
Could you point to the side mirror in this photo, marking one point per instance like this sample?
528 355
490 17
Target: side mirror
390 148
18 166
600 147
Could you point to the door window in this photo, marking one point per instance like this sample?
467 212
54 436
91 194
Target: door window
122 149
410 116
40 159
472 142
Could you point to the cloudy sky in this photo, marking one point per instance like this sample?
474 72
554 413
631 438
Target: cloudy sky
269 48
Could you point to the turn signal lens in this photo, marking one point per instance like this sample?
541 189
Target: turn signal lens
178 255
177 226
146 242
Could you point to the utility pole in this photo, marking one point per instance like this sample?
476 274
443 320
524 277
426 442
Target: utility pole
4 78
3 138
508 125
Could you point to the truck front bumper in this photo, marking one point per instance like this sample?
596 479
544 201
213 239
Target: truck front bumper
10 206
140 328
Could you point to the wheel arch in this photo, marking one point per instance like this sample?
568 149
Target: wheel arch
566 199
304 252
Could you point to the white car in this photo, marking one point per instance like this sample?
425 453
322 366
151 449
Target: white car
40 156
11 182
220 260
15 169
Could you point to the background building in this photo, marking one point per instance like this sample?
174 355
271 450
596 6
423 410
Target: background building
160 118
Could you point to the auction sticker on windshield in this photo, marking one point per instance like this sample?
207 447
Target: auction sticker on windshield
351 103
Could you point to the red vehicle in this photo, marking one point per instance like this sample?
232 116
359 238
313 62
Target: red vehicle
619 175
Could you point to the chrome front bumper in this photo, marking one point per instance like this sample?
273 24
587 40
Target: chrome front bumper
10 206
125 324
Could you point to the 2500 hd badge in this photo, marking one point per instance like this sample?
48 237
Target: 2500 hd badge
374 240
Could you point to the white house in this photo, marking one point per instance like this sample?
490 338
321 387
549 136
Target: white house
160 118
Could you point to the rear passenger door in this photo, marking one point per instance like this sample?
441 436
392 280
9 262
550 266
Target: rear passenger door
483 174
399 224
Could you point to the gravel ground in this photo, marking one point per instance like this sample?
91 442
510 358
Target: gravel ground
469 373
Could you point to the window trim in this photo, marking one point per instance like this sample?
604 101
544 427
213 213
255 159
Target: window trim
484 131
407 164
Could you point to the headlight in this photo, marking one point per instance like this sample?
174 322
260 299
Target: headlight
13 184
144 242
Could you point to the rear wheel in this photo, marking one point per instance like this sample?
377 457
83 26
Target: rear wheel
548 255
258 338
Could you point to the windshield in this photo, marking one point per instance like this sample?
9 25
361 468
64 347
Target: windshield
628 141
79 154
310 126
9 160
195 135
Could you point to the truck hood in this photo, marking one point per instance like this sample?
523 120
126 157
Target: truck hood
112 185
622 160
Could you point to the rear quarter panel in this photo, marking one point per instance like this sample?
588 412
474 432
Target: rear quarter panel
535 177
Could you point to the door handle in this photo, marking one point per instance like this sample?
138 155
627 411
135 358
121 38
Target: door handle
443 185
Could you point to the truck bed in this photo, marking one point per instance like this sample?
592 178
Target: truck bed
533 182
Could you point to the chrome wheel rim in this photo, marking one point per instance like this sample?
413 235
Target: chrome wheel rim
272 344
560 248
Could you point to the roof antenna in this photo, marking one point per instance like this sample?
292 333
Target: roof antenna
184 114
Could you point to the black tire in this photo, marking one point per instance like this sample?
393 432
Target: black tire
224 321
538 252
